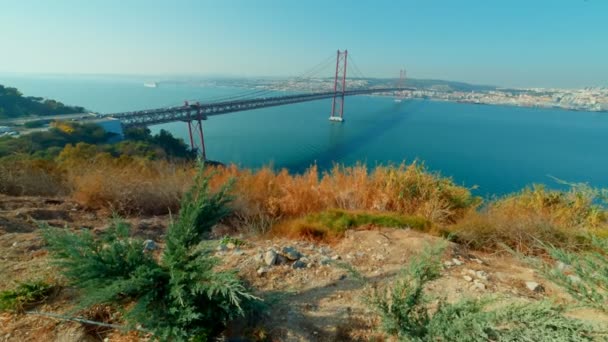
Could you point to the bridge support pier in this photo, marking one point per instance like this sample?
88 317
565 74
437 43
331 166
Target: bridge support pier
337 103
198 123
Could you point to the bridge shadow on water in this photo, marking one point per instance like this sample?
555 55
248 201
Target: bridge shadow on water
341 143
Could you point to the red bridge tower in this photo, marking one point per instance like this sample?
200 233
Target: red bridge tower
337 105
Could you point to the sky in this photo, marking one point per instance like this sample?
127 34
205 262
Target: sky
521 43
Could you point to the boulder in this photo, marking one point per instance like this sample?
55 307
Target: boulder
291 253
270 258
534 286
262 271
298 264
149 245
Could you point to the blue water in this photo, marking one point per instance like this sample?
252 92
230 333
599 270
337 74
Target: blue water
500 149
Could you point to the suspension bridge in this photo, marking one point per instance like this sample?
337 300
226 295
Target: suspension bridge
195 112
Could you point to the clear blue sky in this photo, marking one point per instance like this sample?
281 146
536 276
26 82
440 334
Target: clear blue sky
503 42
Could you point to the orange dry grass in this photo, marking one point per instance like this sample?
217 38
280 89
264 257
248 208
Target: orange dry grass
535 215
130 187
268 196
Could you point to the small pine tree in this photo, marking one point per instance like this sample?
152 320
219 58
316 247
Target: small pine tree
182 296
584 275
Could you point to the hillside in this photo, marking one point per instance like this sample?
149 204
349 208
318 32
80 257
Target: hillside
13 105
263 255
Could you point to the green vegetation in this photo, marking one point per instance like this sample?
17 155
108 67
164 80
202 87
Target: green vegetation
334 223
405 312
24 295
181 297
13 105
584 275
138 142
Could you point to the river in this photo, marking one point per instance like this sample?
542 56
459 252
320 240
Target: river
499 149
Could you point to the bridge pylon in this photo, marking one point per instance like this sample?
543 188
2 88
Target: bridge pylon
197 122
337 104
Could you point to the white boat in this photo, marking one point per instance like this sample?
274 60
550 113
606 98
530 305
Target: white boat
150 84
397 100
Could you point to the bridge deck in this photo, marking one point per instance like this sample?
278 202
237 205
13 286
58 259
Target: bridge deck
192 112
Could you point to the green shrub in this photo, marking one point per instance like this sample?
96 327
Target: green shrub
181 297
24 295
405 312
584 275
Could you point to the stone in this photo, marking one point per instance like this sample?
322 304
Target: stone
448 264
456 262
149 245
481 275
471 272
467 278
230 245
534 286
562 266
336 257
281 259
298 264
479 285
479 261
262 271
270 258
291 253
325 260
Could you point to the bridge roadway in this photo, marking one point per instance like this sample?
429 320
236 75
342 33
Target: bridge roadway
193 111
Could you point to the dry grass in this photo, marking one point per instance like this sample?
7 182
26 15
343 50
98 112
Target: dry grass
331 225
20 176
269 196
134 187
265 198
521 220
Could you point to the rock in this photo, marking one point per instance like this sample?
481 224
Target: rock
479 285
325 250
298 264
573 278
336 257
534 286
262 271
230 245
456 262
467 278
448 264
74 333
470 272
325 261
291 253
481 275
270 258
281 260
149 245
562 266
479 261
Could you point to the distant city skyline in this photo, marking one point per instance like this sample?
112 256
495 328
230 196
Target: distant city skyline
542 43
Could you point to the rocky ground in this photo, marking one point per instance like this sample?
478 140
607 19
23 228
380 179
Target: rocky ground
311 291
